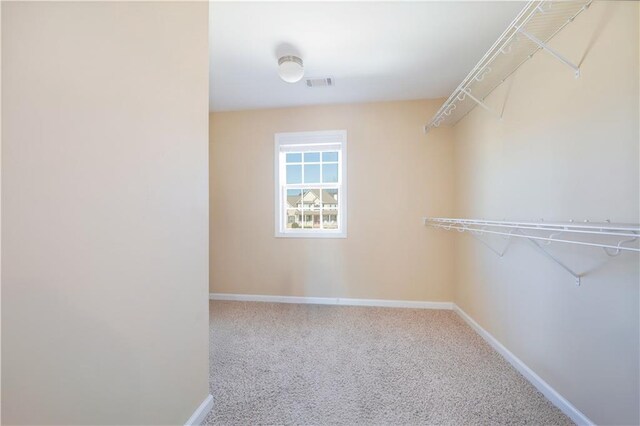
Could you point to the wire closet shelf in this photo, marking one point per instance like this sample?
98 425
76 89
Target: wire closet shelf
613 238
531 31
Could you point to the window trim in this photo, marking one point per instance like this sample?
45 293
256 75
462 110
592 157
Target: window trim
323 137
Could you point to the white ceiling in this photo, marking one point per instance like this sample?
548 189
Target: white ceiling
375 51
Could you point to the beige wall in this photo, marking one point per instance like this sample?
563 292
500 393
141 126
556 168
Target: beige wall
565 148
395 176
104 212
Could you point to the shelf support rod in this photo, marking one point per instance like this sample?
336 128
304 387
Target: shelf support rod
479 102
575 275
552 52
499 253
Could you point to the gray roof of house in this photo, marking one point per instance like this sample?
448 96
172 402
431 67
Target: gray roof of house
327 197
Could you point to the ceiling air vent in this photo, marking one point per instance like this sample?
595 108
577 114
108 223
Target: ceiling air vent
320 82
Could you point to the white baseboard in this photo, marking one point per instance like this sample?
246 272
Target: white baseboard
331 301
551 394
201 412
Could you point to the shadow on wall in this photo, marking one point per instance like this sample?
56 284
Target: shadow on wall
608 13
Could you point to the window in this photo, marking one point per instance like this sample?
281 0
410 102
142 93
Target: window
311 184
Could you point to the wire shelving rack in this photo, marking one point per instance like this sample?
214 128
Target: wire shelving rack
531 30
613 238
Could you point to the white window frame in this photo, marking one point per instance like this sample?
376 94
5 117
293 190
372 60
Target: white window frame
289 142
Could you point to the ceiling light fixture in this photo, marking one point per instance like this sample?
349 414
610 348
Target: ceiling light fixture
290 69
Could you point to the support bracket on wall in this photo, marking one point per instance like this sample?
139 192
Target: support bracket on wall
466 92
487 245
474 233
576 276
552 52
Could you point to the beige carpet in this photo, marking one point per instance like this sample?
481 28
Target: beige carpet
321 365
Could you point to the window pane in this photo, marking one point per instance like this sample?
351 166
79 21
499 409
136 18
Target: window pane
311 173
309 219
294 219
294 209
311 208
330 173
294 193
311 199
330 220
294 199
330 208
294 174
330 199
329 156
310 157
294 157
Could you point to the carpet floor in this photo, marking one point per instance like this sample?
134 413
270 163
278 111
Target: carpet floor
336 365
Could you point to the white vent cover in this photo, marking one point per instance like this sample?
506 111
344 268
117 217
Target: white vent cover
319 82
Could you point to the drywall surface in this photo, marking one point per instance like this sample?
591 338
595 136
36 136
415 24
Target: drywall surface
104 212
565 149
394 178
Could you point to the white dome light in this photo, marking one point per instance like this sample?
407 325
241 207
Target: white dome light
290 69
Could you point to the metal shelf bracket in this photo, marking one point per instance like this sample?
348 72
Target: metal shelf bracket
499 253
577 277
552 52
476 100
474 233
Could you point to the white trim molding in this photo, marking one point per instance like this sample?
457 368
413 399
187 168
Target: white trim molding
415 304
551 394
201 412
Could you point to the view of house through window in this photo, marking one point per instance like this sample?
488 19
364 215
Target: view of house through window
312 207
310 182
